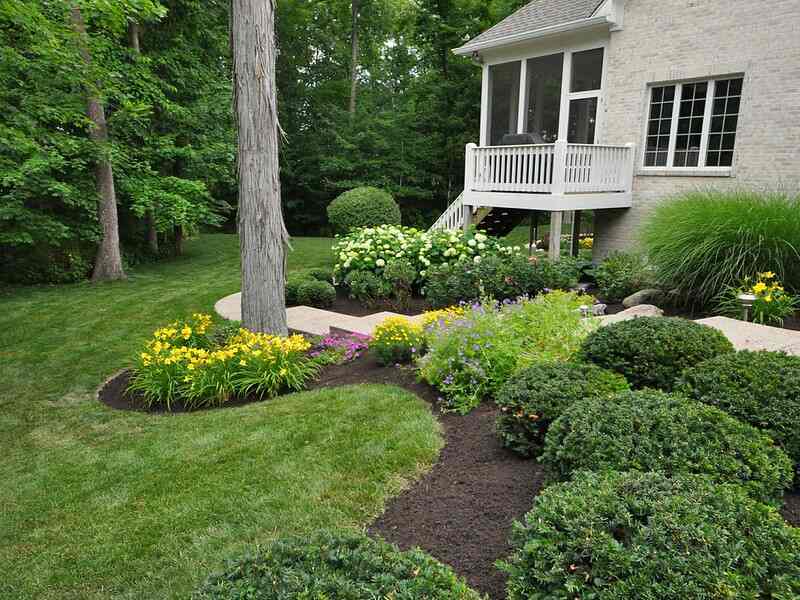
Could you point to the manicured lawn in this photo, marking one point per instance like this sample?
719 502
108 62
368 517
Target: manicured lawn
99 503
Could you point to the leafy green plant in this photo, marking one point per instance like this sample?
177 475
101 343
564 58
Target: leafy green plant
321 274
760 388
400 275
608 536
653 431
319 294
367 287
622 274
471 356
705 242
772 305
397 340
653 351
334 565
363 207
293 283
537 395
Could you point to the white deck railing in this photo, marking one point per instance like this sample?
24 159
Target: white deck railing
559 168
453 216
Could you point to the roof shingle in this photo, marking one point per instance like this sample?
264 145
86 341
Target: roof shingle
538 14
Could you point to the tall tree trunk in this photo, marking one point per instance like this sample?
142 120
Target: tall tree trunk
108 263
354 51
262 233
134 33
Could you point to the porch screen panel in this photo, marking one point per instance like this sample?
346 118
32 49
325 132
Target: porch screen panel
724 121
582 121
659 126
504 100
543 97
587 70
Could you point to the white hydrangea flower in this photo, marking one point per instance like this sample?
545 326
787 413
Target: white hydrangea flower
477 259
380 263
472 243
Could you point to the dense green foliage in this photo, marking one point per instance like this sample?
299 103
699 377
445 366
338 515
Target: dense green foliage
363 207
760 388
319 294
654 351
497 277
704 242
537 395
472 355
335 565
612 535
397 340
622 274
654 431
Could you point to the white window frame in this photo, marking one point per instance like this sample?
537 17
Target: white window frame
701 168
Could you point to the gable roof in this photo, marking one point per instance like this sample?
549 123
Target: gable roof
536 15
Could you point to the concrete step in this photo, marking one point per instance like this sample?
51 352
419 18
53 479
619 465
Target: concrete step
752 336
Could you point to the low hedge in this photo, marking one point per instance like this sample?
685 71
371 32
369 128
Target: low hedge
340 566
539 394
363 207
653 351
609 536
319 294
654 431
760 388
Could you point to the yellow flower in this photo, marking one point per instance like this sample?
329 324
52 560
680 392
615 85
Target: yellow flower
759 288
767 275
768 298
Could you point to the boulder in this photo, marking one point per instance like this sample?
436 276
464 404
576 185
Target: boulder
643 310
642 297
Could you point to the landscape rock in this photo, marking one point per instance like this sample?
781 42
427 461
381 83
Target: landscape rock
643 310
642 297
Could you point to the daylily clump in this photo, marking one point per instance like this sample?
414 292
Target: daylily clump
182 363
397 340
772 305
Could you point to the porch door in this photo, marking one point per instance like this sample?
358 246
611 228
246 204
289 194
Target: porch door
586 79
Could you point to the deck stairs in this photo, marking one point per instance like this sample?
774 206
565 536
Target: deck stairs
498 222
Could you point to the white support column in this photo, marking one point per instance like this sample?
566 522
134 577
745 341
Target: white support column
467 217
523 96
558 187
556 220
566 82
486 105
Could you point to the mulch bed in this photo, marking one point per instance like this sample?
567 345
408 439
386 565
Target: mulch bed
346 306
462 510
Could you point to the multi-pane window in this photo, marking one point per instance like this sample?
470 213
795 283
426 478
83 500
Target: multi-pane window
693 124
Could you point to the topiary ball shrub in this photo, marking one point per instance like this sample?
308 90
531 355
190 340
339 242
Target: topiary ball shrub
609 536
293 283
654 431
363 207
653 351
539 394
321 274
319 294
760 388
335 566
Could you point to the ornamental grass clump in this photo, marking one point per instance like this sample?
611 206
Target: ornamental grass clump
670 434
332 566
537 395
653 351
471 357
180 364
397 340
705 242
614 536
760 388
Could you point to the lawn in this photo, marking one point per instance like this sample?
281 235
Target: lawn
98 503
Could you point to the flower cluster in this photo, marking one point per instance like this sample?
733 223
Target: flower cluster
397 340
180 363
373 248
338 349
443 317
773 303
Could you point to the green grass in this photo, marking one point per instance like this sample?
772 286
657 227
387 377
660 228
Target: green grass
98 503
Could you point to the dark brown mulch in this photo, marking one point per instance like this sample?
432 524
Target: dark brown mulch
346 306
461 511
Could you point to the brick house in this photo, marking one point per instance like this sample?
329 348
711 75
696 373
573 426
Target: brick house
615 105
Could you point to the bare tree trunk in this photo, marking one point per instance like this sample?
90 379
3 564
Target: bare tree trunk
262 233
134 33
108 263
354 51
178 240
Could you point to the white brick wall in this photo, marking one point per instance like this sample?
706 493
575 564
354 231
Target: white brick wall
666 40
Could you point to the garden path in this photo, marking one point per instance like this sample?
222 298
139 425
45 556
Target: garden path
752 336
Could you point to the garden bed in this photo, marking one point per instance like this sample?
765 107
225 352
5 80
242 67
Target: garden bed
345 305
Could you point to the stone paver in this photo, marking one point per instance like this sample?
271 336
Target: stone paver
752 336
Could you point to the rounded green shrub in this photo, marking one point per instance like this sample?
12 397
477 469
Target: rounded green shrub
760 388
613 536
670 434
321 274
293 283
335 566
536 396
363 207
653 351
319 294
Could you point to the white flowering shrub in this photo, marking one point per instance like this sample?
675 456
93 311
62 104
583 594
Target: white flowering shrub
372 248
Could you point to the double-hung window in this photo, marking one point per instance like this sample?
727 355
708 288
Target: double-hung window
693 125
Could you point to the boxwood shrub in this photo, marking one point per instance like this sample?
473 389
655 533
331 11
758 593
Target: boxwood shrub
654 351
760 388
293 283
654 431
319 294
363 207
609 536
536 396
335 566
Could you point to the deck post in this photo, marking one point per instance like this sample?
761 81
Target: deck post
469 180
630 167
559 186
